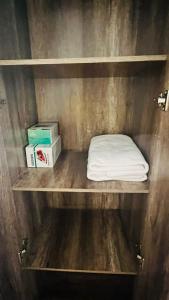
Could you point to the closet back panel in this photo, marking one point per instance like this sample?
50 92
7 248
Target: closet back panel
80 28
90 106
86 107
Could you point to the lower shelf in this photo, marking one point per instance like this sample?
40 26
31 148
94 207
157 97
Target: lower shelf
75 240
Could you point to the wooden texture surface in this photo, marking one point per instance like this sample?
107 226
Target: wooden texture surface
97 28
82 240
84 107
142 125
83 60
88 67
15 222
83 200
14 32
70 174
86 29
153 281
17 112
92 70
93 106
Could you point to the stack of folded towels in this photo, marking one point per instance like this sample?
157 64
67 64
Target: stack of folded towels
115 157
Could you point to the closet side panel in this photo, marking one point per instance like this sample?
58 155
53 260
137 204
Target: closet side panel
153 282
15 222
20 215
142 125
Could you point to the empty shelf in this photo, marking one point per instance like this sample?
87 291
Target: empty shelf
75 240
69 175
89 66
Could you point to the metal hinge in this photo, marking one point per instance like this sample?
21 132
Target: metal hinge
22 254
163 100
139 256
2 103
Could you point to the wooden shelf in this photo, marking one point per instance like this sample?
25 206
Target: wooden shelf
82 241
82 60
89 66
69 175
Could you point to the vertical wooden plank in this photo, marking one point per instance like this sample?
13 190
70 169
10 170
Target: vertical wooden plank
153 281
17 112
15 222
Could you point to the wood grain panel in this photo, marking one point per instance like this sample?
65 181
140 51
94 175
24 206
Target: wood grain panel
82 240
84 60
97 28
153 282
84 107
132 212
17 112
9 223
90 29
142 125
89 67
14 32
97 70
83 200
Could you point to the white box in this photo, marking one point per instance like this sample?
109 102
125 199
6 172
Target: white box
46 155
30 156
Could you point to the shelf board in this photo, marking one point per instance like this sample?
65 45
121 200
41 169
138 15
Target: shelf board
82 60
69 175
89 66
82 241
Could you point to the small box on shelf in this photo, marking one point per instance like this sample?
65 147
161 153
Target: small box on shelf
43 133
44 145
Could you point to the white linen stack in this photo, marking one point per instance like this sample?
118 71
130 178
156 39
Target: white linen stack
115 157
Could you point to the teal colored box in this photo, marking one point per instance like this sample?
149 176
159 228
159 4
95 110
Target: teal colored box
45 133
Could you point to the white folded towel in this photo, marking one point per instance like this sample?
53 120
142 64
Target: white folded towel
115 157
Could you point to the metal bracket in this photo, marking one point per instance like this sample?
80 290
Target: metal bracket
2 103
163 100
139 257
23 251
140 261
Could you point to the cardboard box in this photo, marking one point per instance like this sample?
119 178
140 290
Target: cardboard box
46 155
43 133
30 156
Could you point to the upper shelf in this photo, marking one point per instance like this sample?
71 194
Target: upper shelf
69 175
89 66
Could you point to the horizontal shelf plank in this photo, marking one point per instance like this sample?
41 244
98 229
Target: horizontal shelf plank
82 60
69 175
77 240
89 67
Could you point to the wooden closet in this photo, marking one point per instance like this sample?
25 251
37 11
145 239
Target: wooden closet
96 66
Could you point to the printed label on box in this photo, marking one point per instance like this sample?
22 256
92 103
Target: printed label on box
46 155
30 156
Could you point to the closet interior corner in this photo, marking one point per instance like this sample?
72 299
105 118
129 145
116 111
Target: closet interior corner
91 66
